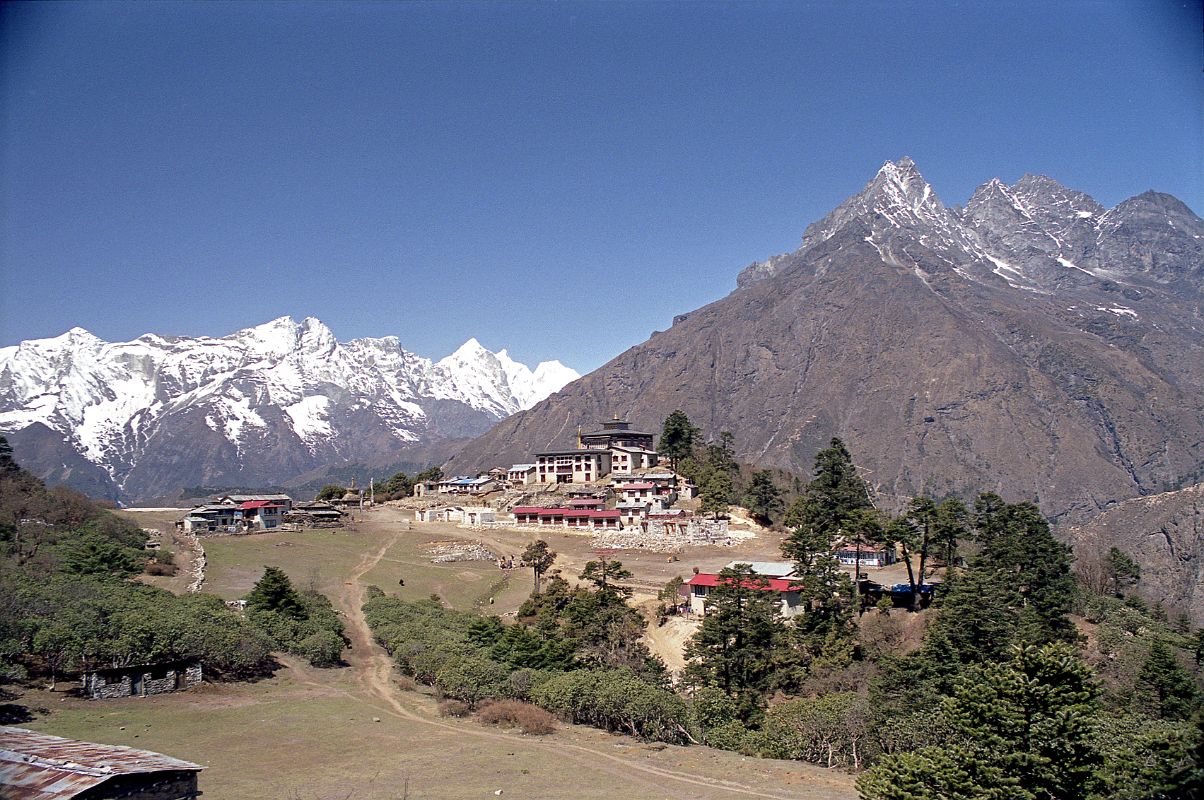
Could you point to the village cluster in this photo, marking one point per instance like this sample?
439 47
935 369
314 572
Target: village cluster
611 485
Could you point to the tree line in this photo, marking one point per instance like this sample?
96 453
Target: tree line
70 600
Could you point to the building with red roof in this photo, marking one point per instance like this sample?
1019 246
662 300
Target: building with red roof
701 583
572 518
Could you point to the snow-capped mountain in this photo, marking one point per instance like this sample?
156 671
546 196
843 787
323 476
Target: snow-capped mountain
1032 340
141 418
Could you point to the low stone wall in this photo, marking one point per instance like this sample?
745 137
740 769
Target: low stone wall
664 537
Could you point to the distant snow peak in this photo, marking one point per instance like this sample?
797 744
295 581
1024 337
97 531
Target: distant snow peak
280 378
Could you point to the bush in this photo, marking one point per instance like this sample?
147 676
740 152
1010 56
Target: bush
731 735
527 718
322 648
407 684
616 700
472 679
453 708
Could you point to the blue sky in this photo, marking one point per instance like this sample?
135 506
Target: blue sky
558 178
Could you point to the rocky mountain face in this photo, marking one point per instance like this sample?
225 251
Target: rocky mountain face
1165 534
141 419
1032 343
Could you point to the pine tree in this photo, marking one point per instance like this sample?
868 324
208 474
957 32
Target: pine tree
678 437
602 574
1024 731
733 648
1165 689
952 525
539 557
8 466
835 492
716 493
1122 571
763 498
275 592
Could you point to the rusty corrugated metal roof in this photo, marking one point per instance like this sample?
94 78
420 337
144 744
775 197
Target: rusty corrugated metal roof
37 766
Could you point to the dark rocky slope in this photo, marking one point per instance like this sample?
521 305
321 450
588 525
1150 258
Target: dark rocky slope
1032 343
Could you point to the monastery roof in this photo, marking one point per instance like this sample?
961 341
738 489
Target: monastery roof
616 433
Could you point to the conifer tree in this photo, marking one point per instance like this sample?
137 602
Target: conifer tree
678 437
763 498
733 648
539 557
1024 731
602 573
275 592
716 493
1165 689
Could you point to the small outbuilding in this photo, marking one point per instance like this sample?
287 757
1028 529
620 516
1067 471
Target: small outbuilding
37 766
143 680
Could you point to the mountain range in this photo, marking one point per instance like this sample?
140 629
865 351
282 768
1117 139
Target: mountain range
1030 342
142 419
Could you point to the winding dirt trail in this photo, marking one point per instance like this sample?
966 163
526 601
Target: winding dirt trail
374 671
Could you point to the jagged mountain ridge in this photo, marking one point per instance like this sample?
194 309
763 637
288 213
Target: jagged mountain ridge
1031 342
138 419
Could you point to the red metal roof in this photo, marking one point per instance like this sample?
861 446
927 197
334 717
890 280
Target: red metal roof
259 504
774 584
566 512
36 766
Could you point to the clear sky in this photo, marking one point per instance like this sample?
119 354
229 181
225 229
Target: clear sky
556 178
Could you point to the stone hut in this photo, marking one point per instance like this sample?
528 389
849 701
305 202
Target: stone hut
140 681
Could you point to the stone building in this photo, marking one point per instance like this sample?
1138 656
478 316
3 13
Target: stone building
140 681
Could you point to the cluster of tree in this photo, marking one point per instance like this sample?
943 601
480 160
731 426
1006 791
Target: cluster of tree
575 651
400 485
69 604
64 625
713 468
996 702
302 623
397 486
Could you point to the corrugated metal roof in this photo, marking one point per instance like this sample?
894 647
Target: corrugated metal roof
771 584
37 766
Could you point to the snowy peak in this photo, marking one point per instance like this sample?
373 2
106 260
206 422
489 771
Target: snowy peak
896 197
495 381
270 388
1036 235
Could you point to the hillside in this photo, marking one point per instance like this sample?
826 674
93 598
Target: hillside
1032 342
1162 532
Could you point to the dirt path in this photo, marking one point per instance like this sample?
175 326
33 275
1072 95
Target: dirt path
374 674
